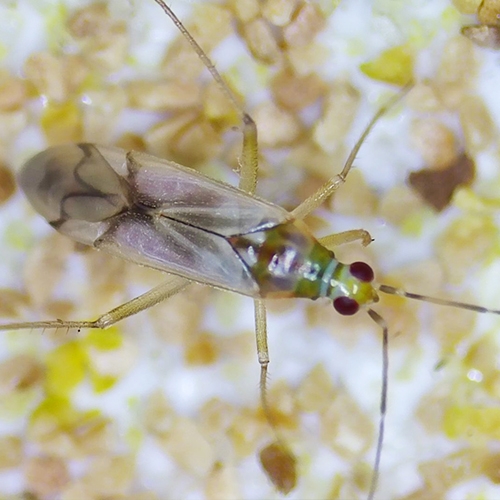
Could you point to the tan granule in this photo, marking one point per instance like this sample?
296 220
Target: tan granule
11 124
78 491
278 12
456 71
11 452
477 124
177 319
361 475
100 116
223 483
159 138
283 406
355 197
90 436
306 59
47 258
315 391
277 127
55 77
442 474
186 138
218 109
210 34
170 95
187 445
240 347
46 73
483 35
181 62
423 97
201 349
317 165
12 302
399 204
110 475
434 141
7 182
482 357
60 309
158 417
307 22
91 21
451 326
431 408
45 475
345 428
116 362
340 488
106 276
143 495
107 280
489 12
132 142
13 92
295 92
20 372
245 10
94 436
76 72
215 417
261 41
103 40
338 114
467 6
467 242
402 316
247 429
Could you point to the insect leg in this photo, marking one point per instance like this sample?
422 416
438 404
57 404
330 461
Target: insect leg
317 198
249 161
249 158
249 164
284 476
134 306
337 239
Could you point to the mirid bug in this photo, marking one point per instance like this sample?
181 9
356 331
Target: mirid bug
165 216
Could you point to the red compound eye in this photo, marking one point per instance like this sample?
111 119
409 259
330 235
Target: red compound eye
345 306
362 271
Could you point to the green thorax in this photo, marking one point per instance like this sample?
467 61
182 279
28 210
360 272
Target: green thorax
286 261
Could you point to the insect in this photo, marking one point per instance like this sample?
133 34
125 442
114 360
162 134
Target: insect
165 216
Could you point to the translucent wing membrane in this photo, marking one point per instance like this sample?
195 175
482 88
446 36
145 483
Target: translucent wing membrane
178 248
150 211
185 195
75 182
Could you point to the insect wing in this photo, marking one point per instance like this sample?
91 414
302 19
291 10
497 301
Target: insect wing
177 248
147 210
74 187
187 196
185 221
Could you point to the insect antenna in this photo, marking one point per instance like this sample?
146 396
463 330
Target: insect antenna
434 300
385 360
383 400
